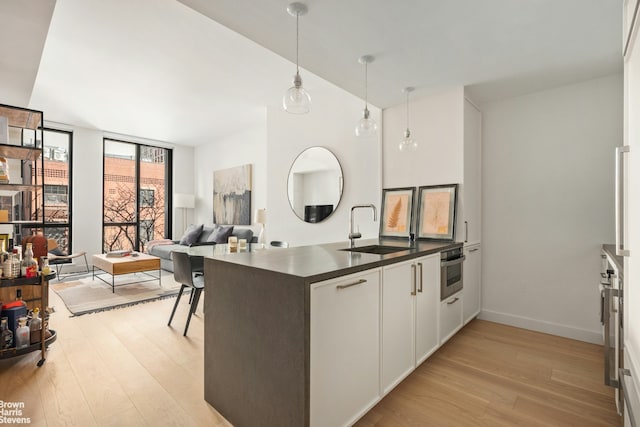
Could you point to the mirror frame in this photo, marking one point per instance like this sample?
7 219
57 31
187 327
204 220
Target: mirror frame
341 182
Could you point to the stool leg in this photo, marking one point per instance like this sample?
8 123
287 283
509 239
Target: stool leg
176 305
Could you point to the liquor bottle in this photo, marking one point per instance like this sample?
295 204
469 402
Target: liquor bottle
35 326
3 251
29 266
6 337
46 269
22 333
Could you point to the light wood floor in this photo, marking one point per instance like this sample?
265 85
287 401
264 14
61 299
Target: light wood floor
127 368
496 375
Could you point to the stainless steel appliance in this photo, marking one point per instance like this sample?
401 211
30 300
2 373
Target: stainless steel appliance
451 272
611 317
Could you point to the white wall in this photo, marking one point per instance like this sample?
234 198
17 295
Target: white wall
246 147
548 205
437 124
330 124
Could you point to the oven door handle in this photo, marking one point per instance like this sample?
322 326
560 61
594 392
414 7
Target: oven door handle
607 293
453 262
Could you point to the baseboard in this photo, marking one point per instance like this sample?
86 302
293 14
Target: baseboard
542 326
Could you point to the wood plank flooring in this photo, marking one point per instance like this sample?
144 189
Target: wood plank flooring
125 367
496 375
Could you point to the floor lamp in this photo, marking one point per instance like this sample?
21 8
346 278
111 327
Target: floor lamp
184 202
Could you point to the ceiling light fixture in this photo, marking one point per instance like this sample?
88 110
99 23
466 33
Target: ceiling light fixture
367 127
297 100
408 143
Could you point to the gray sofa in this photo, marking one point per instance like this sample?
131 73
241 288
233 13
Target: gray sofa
163 249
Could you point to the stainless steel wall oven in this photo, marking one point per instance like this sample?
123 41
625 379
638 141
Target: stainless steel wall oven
451 272
611 317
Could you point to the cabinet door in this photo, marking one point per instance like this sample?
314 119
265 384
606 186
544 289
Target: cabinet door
472 283
450 316
472 185
398 350
344 348
427 304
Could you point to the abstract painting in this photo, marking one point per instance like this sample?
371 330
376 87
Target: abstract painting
232 196
397 209
437 211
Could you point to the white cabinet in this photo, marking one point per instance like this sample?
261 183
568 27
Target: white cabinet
450 316
398 324
410 301
471 188
427 301
472 283
344 348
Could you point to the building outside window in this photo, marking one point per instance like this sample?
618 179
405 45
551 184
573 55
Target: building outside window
136 182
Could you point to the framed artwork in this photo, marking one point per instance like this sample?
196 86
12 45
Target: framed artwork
397 212
232 196
437 211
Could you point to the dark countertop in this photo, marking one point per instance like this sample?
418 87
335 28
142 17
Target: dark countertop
321 262
618 260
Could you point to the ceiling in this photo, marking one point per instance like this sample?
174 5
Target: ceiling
192 71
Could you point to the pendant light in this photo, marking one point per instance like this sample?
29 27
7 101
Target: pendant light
297 100
408 143
367 127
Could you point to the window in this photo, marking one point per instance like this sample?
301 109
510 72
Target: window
56 194
57 187
136 183
146 197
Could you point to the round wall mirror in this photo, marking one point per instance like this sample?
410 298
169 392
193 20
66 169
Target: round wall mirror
315 184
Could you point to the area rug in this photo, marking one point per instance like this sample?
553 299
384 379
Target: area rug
89 295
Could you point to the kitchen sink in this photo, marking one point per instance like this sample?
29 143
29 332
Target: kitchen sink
376 249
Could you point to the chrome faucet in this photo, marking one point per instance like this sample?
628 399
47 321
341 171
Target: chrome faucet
353 235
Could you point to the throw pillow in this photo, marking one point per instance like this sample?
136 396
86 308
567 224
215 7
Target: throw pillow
221 234
243 233
191 234
206 232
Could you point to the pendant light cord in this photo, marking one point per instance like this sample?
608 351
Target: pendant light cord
407 110
297 42
365 86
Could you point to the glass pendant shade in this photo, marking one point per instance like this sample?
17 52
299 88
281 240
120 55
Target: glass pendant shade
296 99
367 127
408 143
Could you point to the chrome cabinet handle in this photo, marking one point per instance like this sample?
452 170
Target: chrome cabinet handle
359 282
619 202
466 231
420 276
413 279
474 249
453 301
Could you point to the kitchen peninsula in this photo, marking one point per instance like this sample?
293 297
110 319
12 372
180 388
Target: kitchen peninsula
300 336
